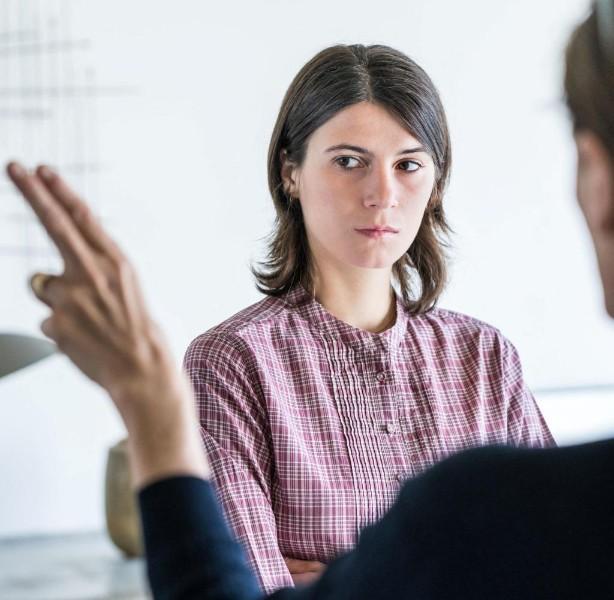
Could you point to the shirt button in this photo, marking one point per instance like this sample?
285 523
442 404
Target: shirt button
400 477
391 427
380 376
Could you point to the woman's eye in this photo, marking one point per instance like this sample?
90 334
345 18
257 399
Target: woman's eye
347 162
410 165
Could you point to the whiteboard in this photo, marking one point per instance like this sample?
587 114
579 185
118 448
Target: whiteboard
160 114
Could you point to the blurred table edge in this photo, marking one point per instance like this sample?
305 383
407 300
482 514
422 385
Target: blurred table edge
73 566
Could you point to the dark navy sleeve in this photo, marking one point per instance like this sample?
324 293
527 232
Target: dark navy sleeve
511 524
190 550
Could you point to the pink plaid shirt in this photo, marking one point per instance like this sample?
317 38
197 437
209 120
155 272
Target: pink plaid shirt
311 425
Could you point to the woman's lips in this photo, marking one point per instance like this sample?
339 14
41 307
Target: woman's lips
377 232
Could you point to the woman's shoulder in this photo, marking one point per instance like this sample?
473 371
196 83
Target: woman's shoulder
452 324
268 309
229 336
458 319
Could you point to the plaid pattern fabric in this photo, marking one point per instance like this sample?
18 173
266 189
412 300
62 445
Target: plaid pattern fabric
311 425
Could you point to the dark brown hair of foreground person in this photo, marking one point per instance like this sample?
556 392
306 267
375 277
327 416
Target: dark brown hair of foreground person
589 78
334 79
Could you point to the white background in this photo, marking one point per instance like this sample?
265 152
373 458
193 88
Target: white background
174 139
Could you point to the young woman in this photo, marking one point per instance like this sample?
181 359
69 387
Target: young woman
316 403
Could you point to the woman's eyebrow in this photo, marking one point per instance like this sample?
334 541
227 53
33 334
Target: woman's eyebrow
358 149
413 150
362 150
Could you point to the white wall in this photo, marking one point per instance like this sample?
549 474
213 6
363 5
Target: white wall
172 153
576 417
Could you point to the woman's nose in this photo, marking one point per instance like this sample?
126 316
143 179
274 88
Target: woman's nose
380 190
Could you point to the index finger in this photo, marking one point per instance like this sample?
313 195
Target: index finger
53 217
79 212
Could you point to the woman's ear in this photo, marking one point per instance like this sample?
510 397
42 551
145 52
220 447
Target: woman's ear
595 185
289 175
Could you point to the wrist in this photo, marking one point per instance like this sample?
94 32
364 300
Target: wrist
166 447
156 402
150 377
163 432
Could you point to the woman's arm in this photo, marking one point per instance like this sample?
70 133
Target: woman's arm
236 435
526 425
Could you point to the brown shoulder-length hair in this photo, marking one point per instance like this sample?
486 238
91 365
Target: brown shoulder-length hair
589 75
334 79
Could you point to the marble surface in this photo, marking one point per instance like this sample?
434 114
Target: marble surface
70 567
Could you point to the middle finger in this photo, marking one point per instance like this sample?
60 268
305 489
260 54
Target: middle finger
68 239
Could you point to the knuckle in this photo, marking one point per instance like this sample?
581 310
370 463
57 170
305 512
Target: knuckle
59 232
59 317
122 267
96 279
121 272
68 299
80 212
75 297
115 251
54 327
48 327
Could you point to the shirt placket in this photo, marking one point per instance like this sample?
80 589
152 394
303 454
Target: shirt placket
393 429
364 386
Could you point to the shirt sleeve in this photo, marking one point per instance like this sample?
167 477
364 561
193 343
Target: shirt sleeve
526 425
236 436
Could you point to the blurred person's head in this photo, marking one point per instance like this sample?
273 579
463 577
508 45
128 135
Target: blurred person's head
360 144
589 88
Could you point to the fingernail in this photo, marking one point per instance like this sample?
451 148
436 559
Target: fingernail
16 170
46 173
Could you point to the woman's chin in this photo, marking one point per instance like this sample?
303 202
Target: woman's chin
358 258
383 257
374 262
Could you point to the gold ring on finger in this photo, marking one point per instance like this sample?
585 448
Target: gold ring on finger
38 281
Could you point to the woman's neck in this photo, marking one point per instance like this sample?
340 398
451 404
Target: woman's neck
363 298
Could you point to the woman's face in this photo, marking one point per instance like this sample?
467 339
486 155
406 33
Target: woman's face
363 187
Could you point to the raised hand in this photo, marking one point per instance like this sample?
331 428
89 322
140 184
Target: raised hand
100 321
